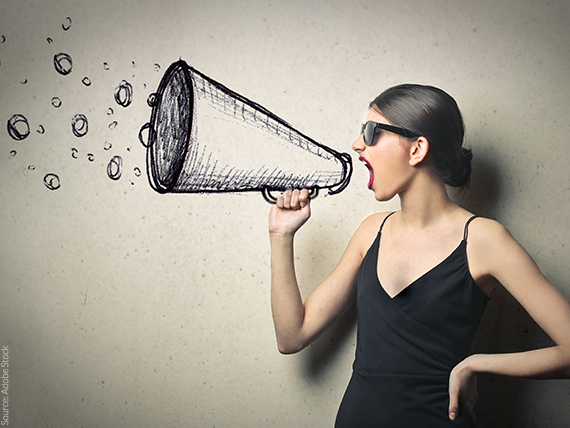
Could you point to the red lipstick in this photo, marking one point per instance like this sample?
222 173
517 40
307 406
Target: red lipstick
370 169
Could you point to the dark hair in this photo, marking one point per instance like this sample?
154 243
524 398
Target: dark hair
434 114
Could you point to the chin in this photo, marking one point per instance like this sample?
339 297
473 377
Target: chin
383 197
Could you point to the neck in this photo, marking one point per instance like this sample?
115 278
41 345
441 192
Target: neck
425 202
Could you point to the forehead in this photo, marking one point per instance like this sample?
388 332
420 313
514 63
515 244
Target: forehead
375 116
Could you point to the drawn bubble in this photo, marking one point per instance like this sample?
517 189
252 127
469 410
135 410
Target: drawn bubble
110 111
86 81
137 171
107 145
56 102
144 135
90 157
124 94
113 125
12 154
74 153
41 129
67 24
79 125
18 127
157 67
152 100
31 167
49 40
51 181
106 66
115 167
62 63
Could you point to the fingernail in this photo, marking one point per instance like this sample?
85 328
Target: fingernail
452 416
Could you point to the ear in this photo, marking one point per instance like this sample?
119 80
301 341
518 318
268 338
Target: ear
419 149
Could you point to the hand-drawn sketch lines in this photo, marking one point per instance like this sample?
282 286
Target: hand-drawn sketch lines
203 137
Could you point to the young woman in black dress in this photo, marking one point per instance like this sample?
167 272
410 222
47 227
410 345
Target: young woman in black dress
421 276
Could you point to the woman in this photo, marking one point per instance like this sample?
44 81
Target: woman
421 276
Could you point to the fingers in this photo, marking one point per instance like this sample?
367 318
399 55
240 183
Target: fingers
453 405
293 200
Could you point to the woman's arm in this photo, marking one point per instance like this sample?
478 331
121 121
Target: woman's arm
297 324
496 253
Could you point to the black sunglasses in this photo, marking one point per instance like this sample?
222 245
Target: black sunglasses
370 129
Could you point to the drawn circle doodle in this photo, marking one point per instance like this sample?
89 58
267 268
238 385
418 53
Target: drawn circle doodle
105 66
107 145
41 129
18 127
12 154
79 125
157 67
74 153
56 102
51 181
115 167
132 64
90 157
110 111
67 24
49 40
145 141
152 100
23 82
113 125
31 167
63 63
137 171
2 39
86 81
124 94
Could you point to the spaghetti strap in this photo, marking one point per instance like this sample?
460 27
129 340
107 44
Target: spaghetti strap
467 227
384 221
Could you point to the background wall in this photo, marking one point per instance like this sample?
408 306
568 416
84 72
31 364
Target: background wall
124 307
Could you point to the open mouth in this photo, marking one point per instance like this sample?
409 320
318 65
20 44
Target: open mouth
367 165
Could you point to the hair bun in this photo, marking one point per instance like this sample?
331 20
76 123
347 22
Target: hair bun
459 173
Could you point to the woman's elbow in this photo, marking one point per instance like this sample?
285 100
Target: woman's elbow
289 347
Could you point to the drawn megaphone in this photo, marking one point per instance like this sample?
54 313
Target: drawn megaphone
203 137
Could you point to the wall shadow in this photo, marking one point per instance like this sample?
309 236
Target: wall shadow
506 327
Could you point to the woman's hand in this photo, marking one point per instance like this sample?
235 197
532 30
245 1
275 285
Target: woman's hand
462 388
290 212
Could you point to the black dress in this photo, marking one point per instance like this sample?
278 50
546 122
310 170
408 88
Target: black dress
407 345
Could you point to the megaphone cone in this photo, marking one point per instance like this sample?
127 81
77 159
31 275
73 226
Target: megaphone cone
203 137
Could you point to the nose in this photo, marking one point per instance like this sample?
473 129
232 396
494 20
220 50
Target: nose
358 145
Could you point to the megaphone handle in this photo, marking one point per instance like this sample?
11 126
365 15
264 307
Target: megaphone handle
266 193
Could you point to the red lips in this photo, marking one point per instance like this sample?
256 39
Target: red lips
367 165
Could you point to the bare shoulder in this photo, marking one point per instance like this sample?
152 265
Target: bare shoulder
489 242
367 231
487 232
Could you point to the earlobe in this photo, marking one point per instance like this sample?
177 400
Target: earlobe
418 150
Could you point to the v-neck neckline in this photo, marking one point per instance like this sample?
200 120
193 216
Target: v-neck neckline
463 241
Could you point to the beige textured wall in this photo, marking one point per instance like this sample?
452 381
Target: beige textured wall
122 307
